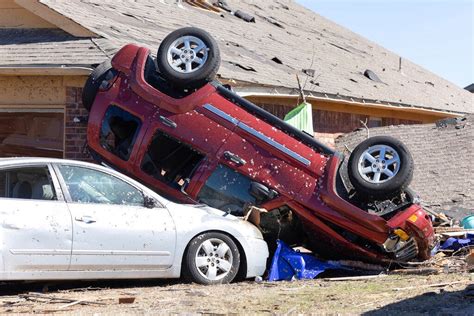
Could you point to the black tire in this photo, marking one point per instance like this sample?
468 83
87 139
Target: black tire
194 274
93 83
195 78
387 186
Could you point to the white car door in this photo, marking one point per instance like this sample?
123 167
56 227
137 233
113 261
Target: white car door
112 228
36 229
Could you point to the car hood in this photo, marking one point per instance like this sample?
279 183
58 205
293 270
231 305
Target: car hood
246 228
212 211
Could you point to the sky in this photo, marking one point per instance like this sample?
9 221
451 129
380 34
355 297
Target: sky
435 34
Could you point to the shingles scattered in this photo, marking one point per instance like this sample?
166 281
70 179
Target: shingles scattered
443 154
372 75
277 60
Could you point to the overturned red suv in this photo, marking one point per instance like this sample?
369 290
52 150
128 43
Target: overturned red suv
166 123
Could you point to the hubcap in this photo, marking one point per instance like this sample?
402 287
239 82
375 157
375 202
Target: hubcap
187 54
214 259
379 163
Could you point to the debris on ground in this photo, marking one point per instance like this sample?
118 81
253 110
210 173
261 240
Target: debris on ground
378 295
288 264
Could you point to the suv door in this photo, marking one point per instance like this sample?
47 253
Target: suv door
113 230
175 150
36 229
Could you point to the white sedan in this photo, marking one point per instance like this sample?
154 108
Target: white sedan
62 219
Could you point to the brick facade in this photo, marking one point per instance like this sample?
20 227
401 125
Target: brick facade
75 121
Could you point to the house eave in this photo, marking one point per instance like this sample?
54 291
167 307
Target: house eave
46 70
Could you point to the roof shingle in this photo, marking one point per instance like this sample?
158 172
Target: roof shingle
298 37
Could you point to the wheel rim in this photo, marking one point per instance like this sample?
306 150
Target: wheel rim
187 54
214 259
379 164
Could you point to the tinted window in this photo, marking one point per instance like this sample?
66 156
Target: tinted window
92 186
119 131
27 183
169 160
227 190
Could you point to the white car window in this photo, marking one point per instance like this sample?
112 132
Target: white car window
92 186
27 183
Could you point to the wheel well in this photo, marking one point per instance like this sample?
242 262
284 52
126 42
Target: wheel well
242 273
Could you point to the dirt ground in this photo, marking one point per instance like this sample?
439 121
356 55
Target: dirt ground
445 294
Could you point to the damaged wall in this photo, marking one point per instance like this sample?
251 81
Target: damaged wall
37 116
443 154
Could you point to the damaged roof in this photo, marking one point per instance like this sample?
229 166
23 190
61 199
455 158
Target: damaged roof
443 153
32 47
284 39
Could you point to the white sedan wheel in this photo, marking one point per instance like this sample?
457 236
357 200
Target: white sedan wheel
211 258
214 259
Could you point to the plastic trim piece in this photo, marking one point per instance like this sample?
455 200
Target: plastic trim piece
272 119
257 134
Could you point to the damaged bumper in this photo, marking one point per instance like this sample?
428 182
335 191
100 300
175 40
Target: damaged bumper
413 235
256 253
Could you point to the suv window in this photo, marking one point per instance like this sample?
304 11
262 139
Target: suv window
92 186
27 183
119 131
227 190
169 160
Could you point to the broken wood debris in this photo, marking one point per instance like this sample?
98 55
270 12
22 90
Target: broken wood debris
46 298
429 285
126 300
356 278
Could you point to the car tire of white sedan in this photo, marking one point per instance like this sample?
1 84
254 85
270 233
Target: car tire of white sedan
211 258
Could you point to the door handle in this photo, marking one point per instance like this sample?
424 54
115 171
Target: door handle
86 219
234 158
166 121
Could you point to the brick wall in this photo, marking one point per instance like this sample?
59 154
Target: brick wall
75 132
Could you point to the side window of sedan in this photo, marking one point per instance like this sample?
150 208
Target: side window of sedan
91 186
32 183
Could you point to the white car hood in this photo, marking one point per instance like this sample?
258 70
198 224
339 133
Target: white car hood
246 228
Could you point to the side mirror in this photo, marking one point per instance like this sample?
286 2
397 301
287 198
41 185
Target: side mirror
261 192
185 185
149 202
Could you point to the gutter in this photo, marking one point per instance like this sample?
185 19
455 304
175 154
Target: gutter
46 70
293 94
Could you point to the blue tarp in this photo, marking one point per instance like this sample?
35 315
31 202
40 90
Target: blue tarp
458 243
288 263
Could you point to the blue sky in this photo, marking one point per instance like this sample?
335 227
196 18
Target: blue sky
436 34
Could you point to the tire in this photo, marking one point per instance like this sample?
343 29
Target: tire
203 62
93 83
377 177
206 247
